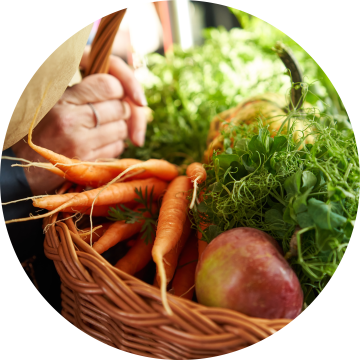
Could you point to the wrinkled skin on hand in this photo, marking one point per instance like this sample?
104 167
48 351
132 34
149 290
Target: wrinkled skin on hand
69 127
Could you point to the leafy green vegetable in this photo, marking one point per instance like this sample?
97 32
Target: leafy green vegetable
186 89
277 186
131 216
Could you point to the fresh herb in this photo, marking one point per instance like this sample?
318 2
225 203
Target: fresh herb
187 89
287 182
144 214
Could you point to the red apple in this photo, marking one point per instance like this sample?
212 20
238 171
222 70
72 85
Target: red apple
242 269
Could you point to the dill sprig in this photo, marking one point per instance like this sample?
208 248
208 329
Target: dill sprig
144 214
307 179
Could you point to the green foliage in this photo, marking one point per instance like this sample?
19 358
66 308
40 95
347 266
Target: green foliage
322 88
280 184
186 89
130 216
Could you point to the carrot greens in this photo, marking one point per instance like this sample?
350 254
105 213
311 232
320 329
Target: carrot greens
131 216
280 184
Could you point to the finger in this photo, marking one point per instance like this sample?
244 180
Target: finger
112 150
94 88
107 111
107 134
85 57
119 69
137 124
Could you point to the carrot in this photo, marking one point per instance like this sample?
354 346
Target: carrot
161 169
184 278
202 244
130 243
197 174
118 231
64 187
155 282
102 210
172 218
47 166
172 257
76 171
137 257
54 200
115 193
96 174
52 169
96 234
79 188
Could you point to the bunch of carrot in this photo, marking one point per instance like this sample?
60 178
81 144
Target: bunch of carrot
116 182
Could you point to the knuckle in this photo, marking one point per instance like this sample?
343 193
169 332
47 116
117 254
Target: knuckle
126 110
110 86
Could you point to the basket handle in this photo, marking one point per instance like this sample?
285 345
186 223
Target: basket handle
102 43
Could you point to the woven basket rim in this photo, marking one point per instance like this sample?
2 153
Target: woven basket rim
127 313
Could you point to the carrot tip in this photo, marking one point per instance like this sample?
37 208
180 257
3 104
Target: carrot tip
163 284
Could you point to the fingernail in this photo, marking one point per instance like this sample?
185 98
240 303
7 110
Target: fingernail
140 138
140 97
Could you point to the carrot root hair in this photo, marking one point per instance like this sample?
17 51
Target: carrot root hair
194 192
28 198
187 291
197 174
86 233
76 215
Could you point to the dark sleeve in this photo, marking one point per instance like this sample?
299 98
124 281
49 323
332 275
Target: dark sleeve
27 237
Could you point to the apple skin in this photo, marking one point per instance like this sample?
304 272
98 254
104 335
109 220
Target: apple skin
242 269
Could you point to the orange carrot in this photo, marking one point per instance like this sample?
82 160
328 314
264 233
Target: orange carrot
54 200
161 169
78 172
171 258
102 210
184 278
155 283
53 169
202 244
172 218
197 174
96 234
79 188
115 193
97 174
64 187
119 231
130 243
137 257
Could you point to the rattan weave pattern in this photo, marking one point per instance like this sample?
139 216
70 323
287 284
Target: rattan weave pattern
126 313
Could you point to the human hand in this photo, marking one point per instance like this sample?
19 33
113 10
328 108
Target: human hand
69 127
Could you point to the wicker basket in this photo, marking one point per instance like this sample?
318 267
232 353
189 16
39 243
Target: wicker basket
126 313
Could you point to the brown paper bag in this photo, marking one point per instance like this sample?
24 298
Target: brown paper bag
58 69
